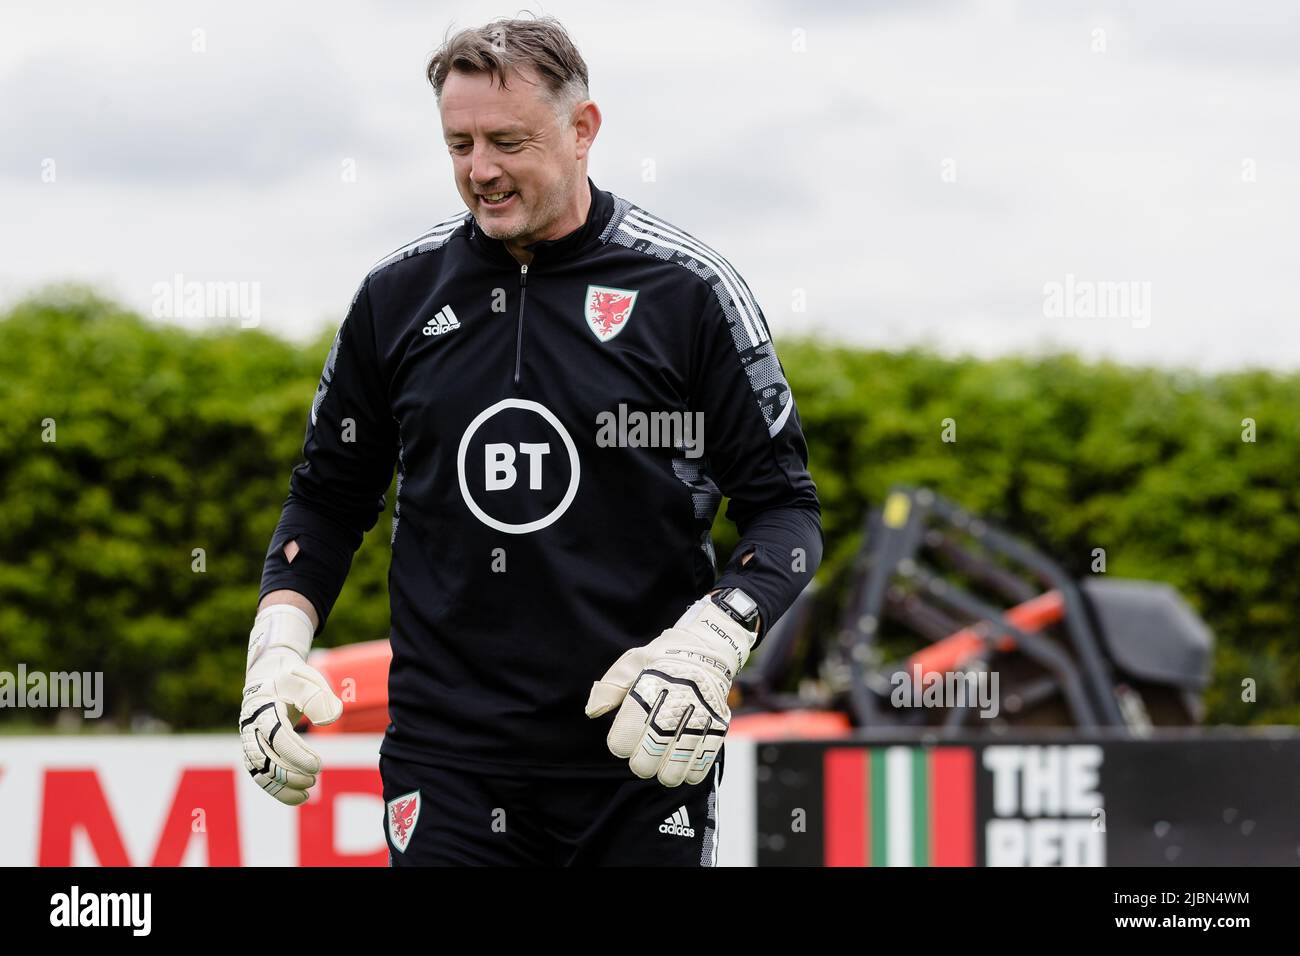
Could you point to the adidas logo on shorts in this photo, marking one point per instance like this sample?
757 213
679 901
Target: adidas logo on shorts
679 824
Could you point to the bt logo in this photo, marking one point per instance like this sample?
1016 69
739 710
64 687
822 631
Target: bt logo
513 471
499 463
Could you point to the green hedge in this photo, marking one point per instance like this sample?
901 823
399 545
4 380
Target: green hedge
168 441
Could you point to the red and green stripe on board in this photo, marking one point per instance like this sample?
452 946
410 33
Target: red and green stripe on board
899 806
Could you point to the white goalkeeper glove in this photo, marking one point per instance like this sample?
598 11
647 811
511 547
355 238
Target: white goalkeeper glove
280 687
671 695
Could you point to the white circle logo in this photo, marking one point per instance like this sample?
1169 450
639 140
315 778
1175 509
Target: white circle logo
507 466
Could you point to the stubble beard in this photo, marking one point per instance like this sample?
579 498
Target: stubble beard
552 209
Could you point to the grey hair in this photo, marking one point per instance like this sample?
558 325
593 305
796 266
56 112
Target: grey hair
503 48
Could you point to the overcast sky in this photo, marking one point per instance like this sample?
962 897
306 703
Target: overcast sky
923 172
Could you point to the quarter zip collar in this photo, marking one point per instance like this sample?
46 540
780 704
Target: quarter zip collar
553 250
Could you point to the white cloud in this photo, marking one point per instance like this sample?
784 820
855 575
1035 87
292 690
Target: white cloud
819 170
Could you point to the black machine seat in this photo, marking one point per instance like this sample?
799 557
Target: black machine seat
1150 631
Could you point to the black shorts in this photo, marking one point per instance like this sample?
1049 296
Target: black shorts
435 816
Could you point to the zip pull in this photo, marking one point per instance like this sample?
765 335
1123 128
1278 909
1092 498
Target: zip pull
519 337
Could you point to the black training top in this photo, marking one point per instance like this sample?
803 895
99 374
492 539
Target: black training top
563 433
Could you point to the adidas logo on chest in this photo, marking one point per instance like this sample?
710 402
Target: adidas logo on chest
445 321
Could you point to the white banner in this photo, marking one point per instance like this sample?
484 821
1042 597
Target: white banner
188 801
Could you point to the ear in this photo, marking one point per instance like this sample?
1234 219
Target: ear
586 124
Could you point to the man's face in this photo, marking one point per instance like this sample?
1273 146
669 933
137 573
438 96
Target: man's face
509 141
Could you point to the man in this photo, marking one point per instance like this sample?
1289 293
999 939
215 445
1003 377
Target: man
552 583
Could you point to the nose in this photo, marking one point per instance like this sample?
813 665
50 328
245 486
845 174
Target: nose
482 169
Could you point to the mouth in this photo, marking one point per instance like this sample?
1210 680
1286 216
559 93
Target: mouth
497 200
